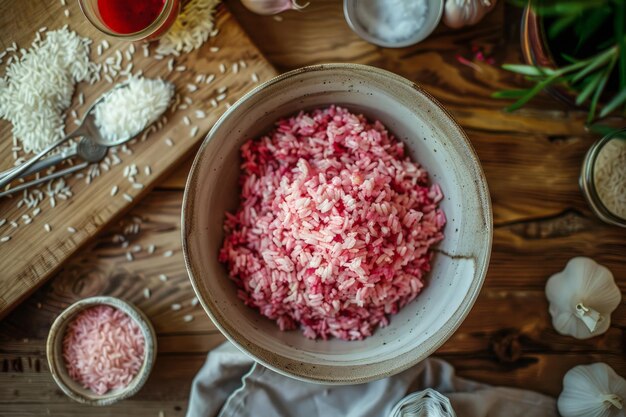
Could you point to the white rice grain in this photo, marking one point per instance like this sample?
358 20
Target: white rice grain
127 111
38 87
191 29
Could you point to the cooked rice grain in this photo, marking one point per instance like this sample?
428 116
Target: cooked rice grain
335 225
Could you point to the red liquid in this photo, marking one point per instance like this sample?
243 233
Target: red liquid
129 16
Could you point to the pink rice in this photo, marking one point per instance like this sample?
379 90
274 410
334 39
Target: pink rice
103 349
334 227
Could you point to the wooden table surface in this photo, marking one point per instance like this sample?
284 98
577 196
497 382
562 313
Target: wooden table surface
531 158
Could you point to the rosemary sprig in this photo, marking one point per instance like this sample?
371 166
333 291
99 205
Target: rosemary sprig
599 65
587 77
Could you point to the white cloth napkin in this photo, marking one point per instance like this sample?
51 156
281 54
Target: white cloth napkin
231 384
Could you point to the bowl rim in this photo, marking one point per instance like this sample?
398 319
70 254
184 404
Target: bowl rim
442 334
55 358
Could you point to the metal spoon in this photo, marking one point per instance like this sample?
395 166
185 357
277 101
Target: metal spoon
87 129
85 149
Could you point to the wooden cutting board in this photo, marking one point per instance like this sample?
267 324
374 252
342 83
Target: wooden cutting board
32 254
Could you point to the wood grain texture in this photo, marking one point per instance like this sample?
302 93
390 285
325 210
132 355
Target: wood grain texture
24 266
531 159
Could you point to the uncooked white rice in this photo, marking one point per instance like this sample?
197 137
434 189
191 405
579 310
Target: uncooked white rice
190 30
126 111
38 87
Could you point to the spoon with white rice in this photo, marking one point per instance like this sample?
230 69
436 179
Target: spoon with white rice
116 117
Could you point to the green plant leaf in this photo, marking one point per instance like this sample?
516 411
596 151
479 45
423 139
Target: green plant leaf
618 100
603 130
596 62
592 21
504 94
528 69
563 7
531 93
569 58
588 89
620 18
560 24
596 95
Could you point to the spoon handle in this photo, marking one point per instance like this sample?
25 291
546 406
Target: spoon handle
22 168
45 163
46 178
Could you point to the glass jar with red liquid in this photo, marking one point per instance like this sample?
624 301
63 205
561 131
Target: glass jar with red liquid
131 19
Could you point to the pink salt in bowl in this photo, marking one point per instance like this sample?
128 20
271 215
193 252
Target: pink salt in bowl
431 137
57 364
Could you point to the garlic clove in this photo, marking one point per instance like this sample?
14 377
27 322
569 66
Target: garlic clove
589 316
269 7
592 391
459 13
582 298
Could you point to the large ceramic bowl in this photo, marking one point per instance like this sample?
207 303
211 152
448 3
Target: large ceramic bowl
459 265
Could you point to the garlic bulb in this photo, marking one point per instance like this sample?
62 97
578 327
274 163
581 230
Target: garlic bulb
592 391
427 403
266 7
459 13
582 298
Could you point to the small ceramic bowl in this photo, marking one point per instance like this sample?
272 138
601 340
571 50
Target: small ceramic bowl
54 352
433 16
459 264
